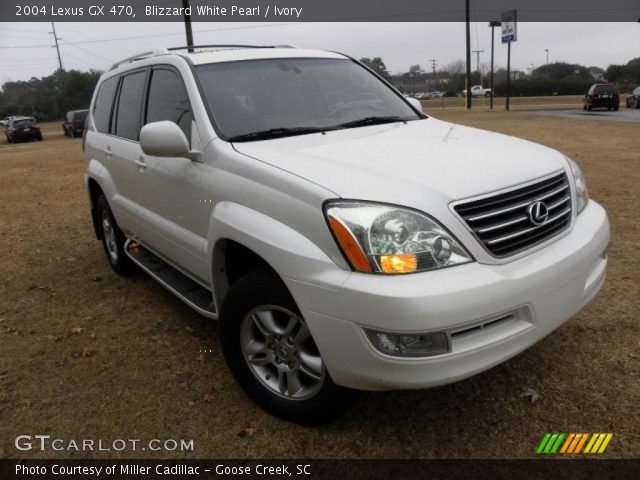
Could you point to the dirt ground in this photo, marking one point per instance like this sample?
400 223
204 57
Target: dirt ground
87 354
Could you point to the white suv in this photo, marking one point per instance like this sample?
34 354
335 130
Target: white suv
344 239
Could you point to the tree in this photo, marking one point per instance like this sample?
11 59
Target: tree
377 65
48 98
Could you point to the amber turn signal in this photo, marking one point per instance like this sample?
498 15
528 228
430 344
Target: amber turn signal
350 246
404 263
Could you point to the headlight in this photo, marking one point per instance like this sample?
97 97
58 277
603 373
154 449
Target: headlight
582 194
388 239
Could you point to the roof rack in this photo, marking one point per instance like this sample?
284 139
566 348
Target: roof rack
148 54
187 47
166 51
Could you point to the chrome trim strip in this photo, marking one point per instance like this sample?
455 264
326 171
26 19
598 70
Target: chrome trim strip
529 230
508 209
500 225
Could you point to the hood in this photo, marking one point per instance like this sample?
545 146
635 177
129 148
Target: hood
396 162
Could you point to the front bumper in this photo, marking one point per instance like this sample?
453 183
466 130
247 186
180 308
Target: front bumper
517 303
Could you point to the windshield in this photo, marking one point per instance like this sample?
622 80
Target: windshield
296 96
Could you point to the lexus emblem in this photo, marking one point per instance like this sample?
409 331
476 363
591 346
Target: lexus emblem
538 213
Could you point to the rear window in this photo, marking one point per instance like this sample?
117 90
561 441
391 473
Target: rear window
104 102
606 89
80 116
25 122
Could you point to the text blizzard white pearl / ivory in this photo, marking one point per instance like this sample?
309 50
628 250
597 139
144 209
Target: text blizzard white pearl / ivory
269 10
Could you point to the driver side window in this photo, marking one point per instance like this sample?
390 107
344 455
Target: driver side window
168 100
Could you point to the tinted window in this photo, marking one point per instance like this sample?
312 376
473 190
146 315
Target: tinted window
104 101
168 100
606 89
24 122
80 116
129 104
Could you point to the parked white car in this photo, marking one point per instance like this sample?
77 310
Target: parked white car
343 239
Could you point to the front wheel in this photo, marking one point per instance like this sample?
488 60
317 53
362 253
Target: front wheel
272 355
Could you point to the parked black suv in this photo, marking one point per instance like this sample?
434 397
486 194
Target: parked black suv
73 124
22 128
602 95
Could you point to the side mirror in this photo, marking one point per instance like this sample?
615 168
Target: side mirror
415 103
164 139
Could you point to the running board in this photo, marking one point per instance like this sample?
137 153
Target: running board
183 287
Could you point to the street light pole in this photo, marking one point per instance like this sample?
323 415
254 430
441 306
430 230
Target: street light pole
492 24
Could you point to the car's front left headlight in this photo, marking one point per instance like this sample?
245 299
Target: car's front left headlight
379 238
582 194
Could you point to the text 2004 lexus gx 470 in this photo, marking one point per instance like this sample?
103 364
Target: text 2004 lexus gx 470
344 239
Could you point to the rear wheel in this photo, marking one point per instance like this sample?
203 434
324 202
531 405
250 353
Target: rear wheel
272 355
112 238
589 108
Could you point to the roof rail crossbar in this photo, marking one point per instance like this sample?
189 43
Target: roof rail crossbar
140 56
186 47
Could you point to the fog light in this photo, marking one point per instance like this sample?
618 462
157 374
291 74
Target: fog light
425 345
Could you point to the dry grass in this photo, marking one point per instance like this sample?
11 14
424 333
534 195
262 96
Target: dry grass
144 377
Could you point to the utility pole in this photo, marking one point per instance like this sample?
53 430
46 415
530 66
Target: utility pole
478 52
467 80
55 37
433 69
187 24
547 50
492 24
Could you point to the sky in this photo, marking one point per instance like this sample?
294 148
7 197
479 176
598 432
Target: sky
85 46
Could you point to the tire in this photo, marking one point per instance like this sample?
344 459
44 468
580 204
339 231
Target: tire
112 238
615 109
589 108
255 315
39 137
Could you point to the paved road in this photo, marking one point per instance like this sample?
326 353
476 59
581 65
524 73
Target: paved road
622 115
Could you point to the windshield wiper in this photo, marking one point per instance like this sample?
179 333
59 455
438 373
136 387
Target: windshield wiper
276 133
363 122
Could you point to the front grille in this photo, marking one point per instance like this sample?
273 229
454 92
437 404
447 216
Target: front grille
502 221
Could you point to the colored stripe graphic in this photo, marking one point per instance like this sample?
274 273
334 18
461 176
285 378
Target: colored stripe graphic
606 441
543 443
567 443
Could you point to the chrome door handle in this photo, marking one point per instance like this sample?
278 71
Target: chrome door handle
140 163
108 152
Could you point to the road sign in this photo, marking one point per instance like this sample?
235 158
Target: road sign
509 30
